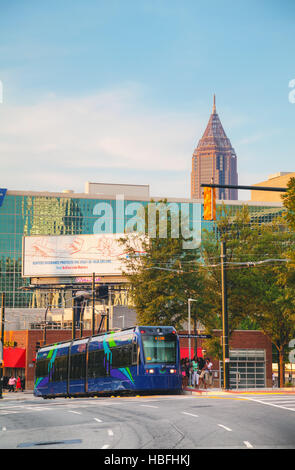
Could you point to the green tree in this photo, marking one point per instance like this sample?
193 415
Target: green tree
258 296
289 203
166 276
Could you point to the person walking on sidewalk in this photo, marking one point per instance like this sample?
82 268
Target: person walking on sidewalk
206 374
209 367
11 383
18 384
23 383
195 375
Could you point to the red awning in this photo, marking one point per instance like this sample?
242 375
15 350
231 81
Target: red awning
14 357
184 353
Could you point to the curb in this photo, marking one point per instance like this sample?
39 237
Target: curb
17 396
256 391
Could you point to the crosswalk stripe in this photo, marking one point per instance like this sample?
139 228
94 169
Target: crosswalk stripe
272 404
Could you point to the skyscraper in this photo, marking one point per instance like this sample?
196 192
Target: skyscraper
214 160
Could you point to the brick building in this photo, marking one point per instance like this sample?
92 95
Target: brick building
250 353
250 359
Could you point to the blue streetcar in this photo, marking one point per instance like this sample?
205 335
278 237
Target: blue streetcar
138 359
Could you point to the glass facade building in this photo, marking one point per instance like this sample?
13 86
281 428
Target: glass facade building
35 213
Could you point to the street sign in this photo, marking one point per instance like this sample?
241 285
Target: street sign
194 336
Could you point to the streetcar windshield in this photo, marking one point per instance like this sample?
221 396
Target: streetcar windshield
159 348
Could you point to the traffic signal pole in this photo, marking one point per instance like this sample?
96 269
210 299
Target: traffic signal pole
208 216
225 346
234 186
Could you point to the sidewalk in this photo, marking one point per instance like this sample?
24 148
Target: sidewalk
26 395
220 391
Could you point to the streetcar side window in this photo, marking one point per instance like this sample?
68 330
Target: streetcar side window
122 356
60 369
96 365
78 366
42 368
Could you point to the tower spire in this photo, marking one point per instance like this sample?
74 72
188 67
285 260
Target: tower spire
214 104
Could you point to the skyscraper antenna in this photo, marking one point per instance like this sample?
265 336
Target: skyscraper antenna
214 104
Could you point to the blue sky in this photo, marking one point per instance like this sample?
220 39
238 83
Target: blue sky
121 91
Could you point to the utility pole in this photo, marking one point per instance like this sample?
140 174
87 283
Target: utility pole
225 348
189 325
2 339
45 326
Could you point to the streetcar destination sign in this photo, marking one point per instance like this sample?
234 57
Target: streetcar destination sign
194 336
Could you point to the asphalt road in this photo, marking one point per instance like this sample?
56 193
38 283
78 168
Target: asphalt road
149 422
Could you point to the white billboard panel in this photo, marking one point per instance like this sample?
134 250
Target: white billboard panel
72 255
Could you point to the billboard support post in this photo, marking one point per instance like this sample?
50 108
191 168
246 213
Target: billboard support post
73 320
93 303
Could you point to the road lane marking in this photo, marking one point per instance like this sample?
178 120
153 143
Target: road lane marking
4 428
190 414
110 432
247 444
150 406
98 420
224 427
279 400
222 398
76 412
106 446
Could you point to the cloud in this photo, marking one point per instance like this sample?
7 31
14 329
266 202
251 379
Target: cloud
62 140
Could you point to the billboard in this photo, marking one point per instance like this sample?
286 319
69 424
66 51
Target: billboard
75 255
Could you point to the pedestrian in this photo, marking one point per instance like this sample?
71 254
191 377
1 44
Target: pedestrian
206 372
11 383
23 383
195 370
182 363
18 384
201 362
209 367
187 370
5 382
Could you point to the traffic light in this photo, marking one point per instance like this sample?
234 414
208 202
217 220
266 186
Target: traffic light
209 203
101 292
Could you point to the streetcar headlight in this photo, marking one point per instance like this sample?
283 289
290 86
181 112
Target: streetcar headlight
172 371
151 371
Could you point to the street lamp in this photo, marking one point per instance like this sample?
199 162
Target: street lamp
189 326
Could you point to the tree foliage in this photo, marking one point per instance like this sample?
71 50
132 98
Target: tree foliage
257 270
165 277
